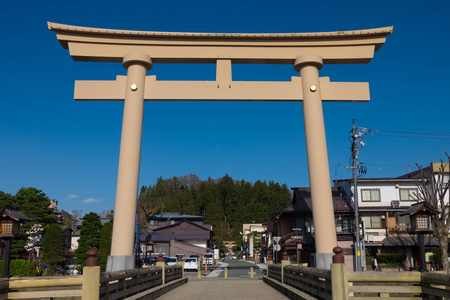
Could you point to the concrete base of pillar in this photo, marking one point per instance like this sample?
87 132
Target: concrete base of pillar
323 260
119 263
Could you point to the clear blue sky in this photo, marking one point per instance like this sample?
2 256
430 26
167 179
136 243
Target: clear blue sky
70 149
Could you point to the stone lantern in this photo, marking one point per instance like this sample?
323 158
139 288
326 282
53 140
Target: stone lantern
10 221
420 215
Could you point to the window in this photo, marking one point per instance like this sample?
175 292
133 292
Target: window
344 224
422 222
7 228
403 220
153 223
159 250
408 194
372 221
372 195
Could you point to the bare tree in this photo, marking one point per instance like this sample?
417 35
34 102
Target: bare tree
433 186
77 213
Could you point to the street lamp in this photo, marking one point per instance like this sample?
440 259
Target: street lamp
299 248
148 248
10 221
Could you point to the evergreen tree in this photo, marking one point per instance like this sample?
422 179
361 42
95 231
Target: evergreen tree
105 245
6 200
53 248
34 204
225 202
89 237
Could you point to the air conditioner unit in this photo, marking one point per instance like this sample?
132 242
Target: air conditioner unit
395 203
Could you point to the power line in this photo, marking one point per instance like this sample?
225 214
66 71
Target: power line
417 132
413 134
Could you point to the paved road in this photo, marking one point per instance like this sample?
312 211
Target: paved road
236 269
231 289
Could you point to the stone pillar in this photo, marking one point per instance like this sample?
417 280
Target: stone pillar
284 262
181 263
339 281
122 246
90 289
316 147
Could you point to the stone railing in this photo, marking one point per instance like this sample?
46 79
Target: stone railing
136 283
338 283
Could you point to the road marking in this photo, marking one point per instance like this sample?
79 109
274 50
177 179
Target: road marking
217 272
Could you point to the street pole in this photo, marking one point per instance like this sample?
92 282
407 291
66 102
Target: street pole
355 148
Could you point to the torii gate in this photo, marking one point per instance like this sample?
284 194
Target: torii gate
138 50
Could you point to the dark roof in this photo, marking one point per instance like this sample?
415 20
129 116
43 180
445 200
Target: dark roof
344 237
416 174
175 215
178 223
302 201
416 207
179 236
413 240
14 214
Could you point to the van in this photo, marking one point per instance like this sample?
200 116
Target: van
208 258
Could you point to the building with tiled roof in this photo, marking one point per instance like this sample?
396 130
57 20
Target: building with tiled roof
295 223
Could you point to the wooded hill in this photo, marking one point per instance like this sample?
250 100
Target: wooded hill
225 202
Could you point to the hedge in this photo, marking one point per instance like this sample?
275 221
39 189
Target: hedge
20 267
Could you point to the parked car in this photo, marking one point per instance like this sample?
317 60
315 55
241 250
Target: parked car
191 263
208 258
170 260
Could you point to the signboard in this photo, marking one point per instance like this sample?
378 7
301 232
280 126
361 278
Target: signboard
297 237
276 239
276 247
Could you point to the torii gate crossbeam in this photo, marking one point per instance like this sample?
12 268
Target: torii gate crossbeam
138 50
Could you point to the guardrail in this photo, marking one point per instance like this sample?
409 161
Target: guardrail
92 284
338 283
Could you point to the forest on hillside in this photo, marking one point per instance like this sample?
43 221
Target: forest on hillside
226 203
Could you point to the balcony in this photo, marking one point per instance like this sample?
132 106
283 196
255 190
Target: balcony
398 229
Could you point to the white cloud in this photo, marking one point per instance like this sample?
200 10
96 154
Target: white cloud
71 196
91 200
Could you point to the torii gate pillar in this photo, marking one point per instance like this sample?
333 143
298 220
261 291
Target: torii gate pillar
137 65
316 149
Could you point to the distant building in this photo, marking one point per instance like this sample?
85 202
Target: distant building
251 243
56 212
173 233
295 223
382 203
170 218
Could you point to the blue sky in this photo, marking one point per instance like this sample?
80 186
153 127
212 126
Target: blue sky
70 149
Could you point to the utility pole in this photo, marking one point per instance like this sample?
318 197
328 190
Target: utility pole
357 133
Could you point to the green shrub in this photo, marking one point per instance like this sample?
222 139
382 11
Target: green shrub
19 267
393 259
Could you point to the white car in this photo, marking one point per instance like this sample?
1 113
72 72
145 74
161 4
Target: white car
208 258
170 261
191 263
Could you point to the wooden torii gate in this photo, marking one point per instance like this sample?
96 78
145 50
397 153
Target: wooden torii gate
138 50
